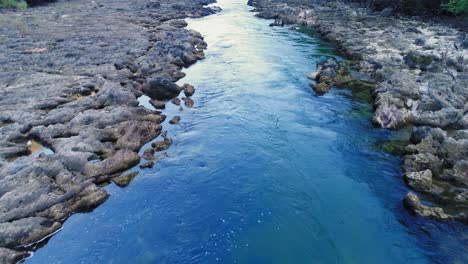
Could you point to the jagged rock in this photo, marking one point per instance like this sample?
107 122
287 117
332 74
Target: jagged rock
420 180
413 204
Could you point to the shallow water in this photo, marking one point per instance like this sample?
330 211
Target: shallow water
261 171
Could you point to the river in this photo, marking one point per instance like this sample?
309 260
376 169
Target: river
261 170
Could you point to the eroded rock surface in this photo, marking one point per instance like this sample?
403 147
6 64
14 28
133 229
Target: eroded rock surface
421 73
70 75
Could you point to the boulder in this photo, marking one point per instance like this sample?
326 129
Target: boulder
420 180
161 88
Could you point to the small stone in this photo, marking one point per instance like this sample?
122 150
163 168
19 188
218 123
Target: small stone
175 120
188 90
188 102
176 101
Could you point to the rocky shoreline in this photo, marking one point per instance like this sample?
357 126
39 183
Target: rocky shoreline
71 73
419 71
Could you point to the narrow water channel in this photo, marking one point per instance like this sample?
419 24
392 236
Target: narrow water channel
261 171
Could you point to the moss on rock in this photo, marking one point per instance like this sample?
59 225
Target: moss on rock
124 180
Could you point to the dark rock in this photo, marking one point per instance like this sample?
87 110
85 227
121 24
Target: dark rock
153 4
176 101
188 90
175 120
188 102
420 42
161 89
413 30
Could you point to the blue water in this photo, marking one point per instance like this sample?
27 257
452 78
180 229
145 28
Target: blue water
261 171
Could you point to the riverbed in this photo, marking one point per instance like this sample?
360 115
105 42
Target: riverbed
262 170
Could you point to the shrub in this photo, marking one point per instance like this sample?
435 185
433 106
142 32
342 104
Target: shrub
458 7
20 4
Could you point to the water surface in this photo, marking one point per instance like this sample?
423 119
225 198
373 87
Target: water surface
261 171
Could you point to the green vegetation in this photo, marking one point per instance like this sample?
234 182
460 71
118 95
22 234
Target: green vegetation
457 7
418 7
20 4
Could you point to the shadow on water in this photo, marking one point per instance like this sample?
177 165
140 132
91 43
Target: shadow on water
261 171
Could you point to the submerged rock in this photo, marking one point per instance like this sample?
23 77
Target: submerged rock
188 102
175 120
124 180
414 205
331 73
164 144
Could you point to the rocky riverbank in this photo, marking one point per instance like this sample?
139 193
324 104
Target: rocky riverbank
420 72
70 76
